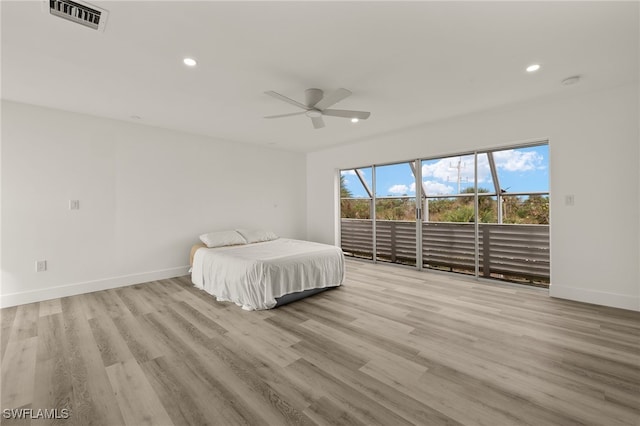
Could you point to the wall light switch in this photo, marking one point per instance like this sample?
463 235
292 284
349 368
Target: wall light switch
569 200
74 204
41 265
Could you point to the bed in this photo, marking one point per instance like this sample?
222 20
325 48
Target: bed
260 275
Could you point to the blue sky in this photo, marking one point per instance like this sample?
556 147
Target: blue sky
519 170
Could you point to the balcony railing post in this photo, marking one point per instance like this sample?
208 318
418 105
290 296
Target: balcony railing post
393 241
486 250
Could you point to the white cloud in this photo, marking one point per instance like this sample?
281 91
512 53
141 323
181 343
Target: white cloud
446 169
434 188
517 161
437 188
347 172
399 189
510 160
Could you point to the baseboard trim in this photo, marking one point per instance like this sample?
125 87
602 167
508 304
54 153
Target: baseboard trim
614 300
14 299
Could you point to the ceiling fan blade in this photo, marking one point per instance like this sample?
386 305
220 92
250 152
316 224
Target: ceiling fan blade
361 115
286 115
318 122
287 100
332 98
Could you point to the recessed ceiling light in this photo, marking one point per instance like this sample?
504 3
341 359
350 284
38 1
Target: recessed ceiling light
533 67
354 120
190 62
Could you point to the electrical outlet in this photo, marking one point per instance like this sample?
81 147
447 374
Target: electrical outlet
569 200
41 265
74 204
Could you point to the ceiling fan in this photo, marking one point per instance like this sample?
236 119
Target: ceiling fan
316 104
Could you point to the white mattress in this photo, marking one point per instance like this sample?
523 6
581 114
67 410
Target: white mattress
254 275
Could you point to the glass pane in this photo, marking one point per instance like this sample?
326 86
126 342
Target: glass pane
515 252
485 178
395 214
396 208
514 243
487 208
355 208
532 209
449 246
451 209
520 169
450 175
448 230
395 180
396 241
356 236
351 183
356 226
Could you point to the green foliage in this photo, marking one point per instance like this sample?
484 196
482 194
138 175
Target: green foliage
353 208
395 209
356 208
462 213
344 191
521 210
532 210
536 210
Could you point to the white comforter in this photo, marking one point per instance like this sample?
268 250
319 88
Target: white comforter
254 275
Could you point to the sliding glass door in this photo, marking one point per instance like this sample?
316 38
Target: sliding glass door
356 212
395 202
513 233
484 214
378 213
448 228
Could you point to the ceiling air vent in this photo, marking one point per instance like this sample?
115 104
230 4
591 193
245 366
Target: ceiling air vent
79 12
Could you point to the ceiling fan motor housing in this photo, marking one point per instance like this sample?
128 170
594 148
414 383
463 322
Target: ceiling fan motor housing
313 96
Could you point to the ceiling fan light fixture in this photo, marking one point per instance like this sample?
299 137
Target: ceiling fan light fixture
355 120
313 113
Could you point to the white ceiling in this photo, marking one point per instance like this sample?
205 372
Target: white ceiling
406 62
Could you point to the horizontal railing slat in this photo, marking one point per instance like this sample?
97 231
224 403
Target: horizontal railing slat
518 250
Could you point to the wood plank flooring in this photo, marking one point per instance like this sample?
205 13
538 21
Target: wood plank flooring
391 347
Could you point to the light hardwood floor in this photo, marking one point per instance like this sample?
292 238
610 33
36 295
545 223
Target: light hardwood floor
392 347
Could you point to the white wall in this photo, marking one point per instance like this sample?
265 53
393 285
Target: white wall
145 195
593 143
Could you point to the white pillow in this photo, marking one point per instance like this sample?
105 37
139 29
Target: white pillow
222 238
257 235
